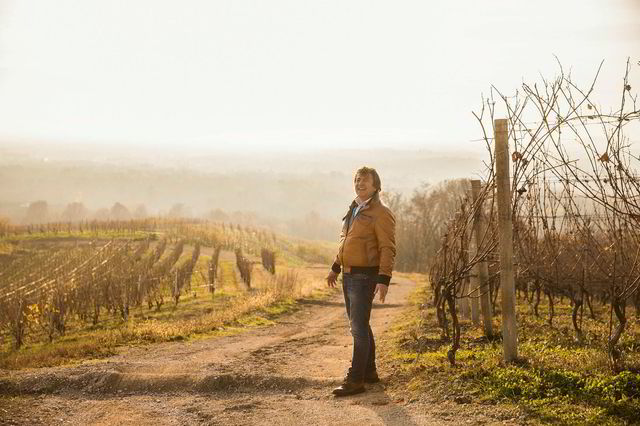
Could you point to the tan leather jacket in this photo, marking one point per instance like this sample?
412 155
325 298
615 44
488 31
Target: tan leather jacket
368 241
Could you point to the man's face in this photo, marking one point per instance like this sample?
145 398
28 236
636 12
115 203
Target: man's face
363 185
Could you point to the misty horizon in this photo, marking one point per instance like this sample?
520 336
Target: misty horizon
271 190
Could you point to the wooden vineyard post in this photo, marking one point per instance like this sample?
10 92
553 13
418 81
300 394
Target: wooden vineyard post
481 268
473 289
505 230
474 292
464 302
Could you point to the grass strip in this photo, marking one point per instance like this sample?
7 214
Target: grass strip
558 379
238 314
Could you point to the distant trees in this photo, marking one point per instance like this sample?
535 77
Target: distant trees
313 226
74 212
37 212
119 212
140 212
244 218
101 214
179 210
421 221
218 215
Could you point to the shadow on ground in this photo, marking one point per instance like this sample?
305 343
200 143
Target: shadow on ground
110 381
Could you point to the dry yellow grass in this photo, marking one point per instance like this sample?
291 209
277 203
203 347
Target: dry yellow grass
198 316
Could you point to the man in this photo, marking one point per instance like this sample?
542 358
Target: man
365 256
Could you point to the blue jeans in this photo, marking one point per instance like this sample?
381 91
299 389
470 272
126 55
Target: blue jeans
358 292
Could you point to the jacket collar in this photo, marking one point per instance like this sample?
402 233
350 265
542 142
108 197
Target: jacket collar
375 199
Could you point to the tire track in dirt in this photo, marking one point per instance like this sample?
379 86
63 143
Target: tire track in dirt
282 374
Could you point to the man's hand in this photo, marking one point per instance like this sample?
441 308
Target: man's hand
332 279
382 289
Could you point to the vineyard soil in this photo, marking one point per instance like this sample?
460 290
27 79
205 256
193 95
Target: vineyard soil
280 374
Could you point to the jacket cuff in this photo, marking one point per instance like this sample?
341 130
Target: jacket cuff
383 279
336 267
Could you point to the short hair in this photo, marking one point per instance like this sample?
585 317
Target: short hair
364 170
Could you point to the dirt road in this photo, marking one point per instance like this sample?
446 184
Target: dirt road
282 374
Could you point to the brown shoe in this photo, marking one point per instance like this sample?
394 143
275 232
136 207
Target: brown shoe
349 388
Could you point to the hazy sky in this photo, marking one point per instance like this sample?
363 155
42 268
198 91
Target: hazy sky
290 74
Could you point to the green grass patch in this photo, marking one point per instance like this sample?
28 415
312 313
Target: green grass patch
281 307
254 321
85 234
301 252
559 379
228 279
